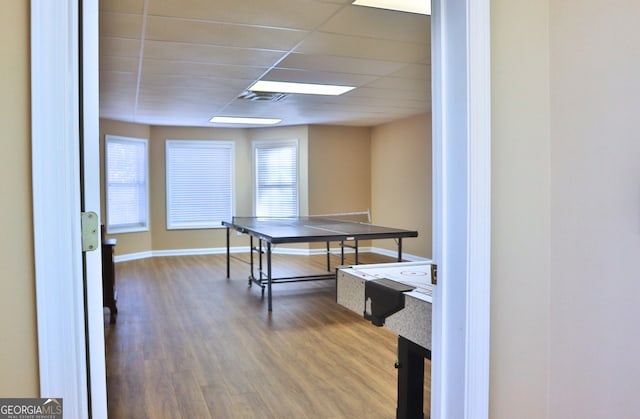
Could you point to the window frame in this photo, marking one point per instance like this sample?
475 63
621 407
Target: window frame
127 228
199 225
257 144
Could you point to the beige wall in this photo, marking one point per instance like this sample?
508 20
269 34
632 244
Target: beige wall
520 267
339 169
18 347
566 209
595 208
401 181
336 173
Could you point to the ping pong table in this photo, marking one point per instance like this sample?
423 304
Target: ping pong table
312 229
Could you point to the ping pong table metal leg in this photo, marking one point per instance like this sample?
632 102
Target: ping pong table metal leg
399 249
356 248
268 275
328 258
228 256
260 266
251 276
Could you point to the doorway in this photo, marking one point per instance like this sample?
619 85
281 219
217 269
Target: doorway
456 19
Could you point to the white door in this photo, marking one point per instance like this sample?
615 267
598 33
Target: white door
90 198
65 172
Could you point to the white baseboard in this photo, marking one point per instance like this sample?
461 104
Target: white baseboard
132 256
394 253
276 250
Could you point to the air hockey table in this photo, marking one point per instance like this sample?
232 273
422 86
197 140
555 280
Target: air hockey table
398 297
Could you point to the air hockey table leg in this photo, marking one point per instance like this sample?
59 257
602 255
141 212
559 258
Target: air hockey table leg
410 367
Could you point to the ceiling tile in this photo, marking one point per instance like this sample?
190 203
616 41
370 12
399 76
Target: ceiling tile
120 64
195 69
118 47
116 79
161 81
221 34
321 43
336 1
388 94
210 54
340 64
121 25
122 6
400 84
414 71
304 15
375 23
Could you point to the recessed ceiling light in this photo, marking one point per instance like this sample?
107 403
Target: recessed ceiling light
412 6
299 88
244 120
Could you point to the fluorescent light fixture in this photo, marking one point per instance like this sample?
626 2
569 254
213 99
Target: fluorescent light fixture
412 6
299 88
243 120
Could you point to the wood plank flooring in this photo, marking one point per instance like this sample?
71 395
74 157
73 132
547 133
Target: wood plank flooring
190 343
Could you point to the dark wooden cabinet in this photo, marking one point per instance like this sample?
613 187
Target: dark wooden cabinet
109 293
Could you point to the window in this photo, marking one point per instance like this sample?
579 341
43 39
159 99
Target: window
276 178
126 169
199 183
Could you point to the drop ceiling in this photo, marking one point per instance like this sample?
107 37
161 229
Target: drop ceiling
181 62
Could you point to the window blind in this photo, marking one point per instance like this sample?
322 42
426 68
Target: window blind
199 183
126 184
276 179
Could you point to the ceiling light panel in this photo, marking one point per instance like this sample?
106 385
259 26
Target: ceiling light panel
318 77
299 88
244 120
422 7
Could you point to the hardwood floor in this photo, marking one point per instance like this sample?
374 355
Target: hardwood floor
190 343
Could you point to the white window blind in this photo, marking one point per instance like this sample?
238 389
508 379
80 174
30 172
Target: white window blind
199 183
126 170
276 179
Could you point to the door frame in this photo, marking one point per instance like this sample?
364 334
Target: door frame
461 86
462 215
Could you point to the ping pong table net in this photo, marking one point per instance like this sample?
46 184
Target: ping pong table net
357 217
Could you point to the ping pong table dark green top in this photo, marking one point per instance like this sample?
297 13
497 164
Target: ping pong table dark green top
313 229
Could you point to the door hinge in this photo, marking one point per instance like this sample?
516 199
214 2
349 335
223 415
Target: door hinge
89 226
434 274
